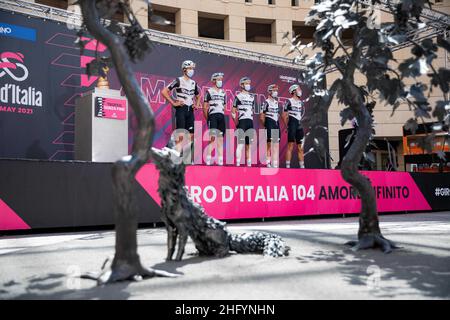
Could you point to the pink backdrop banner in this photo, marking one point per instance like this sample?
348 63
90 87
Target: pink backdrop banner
240 192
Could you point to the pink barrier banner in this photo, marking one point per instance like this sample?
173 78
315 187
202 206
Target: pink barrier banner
9 220
240 192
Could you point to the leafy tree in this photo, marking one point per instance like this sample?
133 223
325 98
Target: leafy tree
370 53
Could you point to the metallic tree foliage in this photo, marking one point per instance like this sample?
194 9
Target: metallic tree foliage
370 54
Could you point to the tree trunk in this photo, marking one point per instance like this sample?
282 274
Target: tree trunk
126 263
368 219
369 233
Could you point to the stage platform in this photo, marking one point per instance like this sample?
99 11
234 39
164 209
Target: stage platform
37 194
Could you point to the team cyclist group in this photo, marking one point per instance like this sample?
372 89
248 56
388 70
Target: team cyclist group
187 98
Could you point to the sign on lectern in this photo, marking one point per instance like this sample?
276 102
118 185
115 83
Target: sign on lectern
101 126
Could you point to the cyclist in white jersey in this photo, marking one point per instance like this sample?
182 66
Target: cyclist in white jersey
243 105
292 116
269 119
187 93
213 109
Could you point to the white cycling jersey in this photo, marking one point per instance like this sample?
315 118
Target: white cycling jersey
271 109
294 108
185 90
245 103
216 100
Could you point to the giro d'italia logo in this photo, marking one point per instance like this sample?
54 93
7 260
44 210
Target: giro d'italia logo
12 67
11 64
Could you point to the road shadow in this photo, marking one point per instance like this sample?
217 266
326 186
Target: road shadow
428 274
46 288
193 258
424 272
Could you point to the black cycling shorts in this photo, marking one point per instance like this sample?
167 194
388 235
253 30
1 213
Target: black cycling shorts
216 124
184 118
295 131
271 127
247 137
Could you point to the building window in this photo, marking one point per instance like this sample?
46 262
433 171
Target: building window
211 26
118 15
294 3
259 30
272 2
248 1
347 37
169 16
305 32
60 4
168 13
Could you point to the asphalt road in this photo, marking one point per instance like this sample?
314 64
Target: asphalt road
320 265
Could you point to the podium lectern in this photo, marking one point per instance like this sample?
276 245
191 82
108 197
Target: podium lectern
101 126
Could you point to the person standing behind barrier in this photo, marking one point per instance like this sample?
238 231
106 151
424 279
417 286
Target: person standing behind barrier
269 119
213 110
186 92
243 105
292 116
